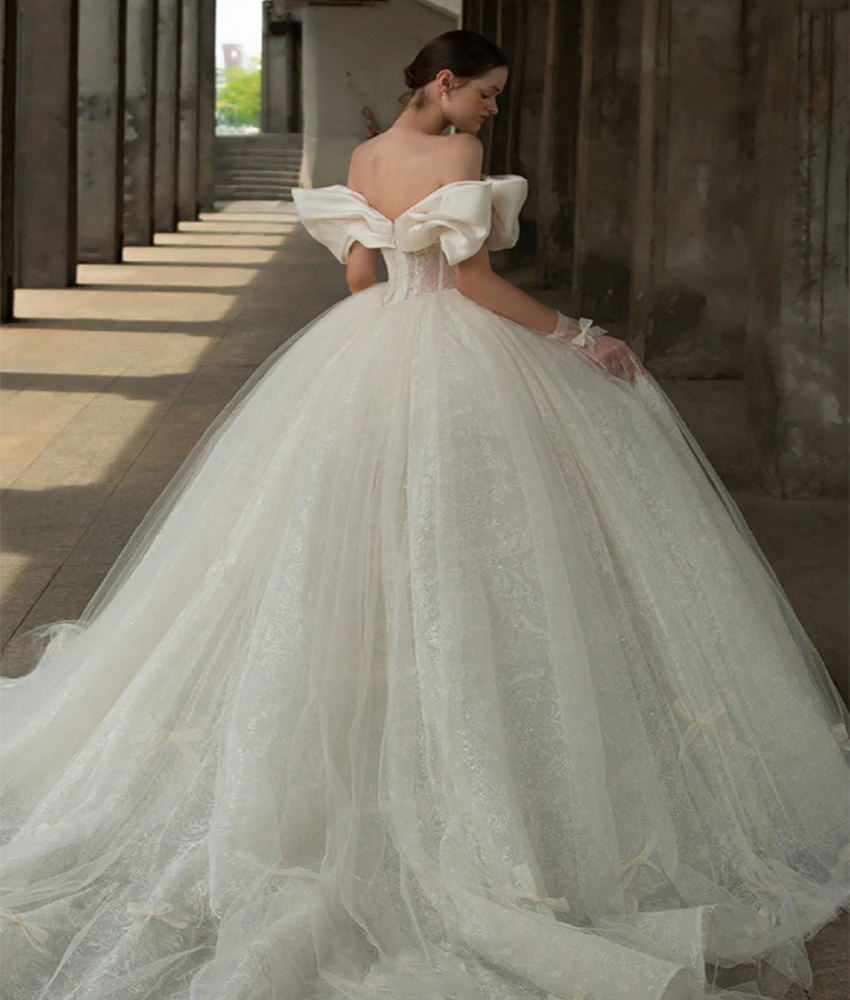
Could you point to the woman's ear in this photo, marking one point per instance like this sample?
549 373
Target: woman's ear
444 79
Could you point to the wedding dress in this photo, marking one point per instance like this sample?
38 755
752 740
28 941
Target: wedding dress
445 667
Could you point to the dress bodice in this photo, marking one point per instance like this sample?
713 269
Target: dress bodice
416 272
422 245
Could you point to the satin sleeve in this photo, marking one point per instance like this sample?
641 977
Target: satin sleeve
336 216
462 216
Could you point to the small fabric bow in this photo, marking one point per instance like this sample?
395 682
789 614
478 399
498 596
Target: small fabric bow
588 333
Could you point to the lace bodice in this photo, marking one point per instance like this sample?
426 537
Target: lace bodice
422 245
416 273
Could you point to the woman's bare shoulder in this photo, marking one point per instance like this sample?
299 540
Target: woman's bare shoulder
464 156
358 163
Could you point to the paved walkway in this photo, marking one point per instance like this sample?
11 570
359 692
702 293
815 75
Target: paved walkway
106 387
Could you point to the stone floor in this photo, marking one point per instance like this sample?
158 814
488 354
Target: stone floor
106 386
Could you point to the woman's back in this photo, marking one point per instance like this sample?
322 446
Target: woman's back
401 166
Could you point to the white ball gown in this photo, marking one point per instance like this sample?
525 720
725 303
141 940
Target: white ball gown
445 667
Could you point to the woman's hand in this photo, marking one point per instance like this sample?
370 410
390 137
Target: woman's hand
615 356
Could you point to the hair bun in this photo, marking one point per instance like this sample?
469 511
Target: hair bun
409 78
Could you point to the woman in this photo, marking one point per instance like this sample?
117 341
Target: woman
445 667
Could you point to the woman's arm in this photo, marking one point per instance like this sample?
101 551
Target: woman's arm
477 281
361 271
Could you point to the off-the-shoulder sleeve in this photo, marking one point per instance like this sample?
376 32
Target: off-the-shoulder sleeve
336 216
463 215
509 193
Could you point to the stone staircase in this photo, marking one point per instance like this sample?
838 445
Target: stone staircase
260 167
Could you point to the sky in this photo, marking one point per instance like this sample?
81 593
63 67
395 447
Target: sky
238 21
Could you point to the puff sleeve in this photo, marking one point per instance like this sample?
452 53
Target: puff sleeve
336 216
508 196
462 215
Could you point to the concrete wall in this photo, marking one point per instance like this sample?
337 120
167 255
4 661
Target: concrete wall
340 77
797 349
694 188
606 174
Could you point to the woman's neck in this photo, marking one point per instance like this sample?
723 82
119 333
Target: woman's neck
429 120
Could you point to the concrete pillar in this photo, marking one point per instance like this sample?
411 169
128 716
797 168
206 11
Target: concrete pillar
605 159
277 57
8 100
169 21
140 123
100 130
187 164
47 143
206 107
797 347
690 258
503 131
556 145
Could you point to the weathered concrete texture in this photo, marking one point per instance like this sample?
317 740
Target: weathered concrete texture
187 159
606 156
47 144
8 99
276 65
694 184
797 357
140 122
206 107
501 134
100 130
340 78
556 147
167 127
529 82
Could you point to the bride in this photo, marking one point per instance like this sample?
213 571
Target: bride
445 667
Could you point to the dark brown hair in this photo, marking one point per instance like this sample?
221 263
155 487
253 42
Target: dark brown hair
466 53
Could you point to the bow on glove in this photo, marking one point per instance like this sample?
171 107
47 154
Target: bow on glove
613 355
587 332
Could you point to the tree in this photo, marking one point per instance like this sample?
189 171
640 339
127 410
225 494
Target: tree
238 99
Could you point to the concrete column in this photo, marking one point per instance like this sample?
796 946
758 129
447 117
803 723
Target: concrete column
488 19
8 101
169 23
605 162
690 258
797 348
503 131
187 166
206 107
140 123
277 57
47 144
556 145
100 130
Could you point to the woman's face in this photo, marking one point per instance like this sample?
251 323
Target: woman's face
470 102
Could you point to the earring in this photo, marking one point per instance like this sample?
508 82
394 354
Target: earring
444 95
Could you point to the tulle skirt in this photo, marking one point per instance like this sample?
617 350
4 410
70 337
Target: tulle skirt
445 667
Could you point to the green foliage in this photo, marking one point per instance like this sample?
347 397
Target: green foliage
238 99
